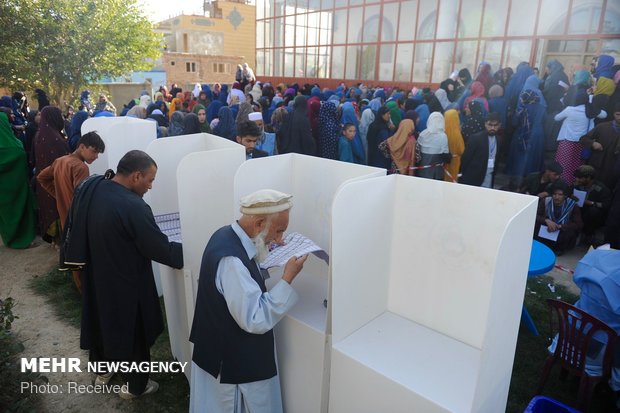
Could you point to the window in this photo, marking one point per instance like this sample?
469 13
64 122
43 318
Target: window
223 67
172 63
190 66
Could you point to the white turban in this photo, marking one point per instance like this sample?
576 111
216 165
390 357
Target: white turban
254 116
265 202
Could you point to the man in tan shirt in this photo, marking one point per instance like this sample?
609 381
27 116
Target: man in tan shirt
64 175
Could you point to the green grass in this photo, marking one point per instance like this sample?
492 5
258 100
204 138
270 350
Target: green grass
532 351
173 393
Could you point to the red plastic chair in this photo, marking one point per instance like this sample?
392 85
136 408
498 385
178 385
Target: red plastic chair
575 330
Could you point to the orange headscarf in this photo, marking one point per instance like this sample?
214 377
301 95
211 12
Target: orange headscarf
455 144
175 105
402 146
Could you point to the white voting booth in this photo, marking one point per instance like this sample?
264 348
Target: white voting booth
427 289
120 135
302 336
191 170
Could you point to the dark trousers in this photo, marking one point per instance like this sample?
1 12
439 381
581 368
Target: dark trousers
140 353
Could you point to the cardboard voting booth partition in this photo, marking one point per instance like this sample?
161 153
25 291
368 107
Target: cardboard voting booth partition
182 186
302 336
427 289
120 135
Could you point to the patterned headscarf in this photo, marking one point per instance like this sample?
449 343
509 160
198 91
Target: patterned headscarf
329 130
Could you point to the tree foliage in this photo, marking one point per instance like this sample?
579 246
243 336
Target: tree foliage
61 46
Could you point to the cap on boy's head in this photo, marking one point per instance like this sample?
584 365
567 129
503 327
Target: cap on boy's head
254 116
554 166
585 171
265 202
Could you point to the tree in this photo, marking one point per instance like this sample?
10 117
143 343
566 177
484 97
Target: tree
61 46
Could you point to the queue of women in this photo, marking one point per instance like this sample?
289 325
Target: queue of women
420 132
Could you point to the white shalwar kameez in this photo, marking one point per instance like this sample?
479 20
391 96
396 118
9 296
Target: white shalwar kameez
255 312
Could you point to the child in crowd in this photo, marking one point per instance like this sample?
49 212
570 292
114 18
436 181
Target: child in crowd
345 148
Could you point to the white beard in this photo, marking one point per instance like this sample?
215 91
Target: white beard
262 249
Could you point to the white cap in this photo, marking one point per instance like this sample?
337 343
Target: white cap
254 116
265 202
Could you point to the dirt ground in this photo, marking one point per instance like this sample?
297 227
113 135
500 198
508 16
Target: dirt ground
44 335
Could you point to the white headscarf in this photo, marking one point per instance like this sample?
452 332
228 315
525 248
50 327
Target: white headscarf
197 90
433 139
442 97
145 101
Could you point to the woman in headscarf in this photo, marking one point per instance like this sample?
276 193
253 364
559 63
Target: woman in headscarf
191 124
474 120
245 109
400 148
212 110
395 113
442 97
137 112
554 86
176 124
314 108
434 105
197 90
158 116
203 99
223 97
424 113
226 125
477 93
104 105
432 147
34 118
497 103
296 135
49 144
582 81
456 145
75 130
17 219
526 154
515 85
175 105
368 117
145 101
604 66
484 75
349 116
378 132
201 112
575 124
603 90
329 130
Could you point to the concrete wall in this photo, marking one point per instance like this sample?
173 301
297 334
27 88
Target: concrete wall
177 72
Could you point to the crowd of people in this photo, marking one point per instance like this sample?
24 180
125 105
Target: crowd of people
551 136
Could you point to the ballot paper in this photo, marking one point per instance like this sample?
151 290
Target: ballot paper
295 245
170 225
544 233
581 197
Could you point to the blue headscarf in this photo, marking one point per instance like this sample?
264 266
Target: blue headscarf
213 109
375 104
533 83
604 67
424 113
516 82
349 116
315 91
207 90
226 126
379 93
223 94
75 129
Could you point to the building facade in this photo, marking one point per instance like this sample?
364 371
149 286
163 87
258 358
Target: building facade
207 49
423 41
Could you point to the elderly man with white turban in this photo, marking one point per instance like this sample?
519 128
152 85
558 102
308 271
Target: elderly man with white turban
234 363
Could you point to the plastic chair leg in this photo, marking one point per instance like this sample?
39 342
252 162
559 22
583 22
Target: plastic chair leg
527 320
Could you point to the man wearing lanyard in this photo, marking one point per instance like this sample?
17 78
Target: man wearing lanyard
478 160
